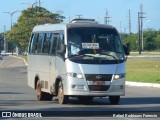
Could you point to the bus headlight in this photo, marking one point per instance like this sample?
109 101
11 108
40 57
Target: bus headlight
80 76
119 76
76 75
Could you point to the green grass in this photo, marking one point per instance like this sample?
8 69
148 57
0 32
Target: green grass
23 56
147 71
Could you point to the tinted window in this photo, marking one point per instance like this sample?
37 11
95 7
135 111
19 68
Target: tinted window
54 40
94 44
60 46
46 43
39 44
33 44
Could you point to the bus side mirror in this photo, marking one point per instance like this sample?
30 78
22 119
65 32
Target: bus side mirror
126 49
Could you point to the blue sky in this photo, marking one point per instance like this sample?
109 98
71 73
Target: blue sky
118 11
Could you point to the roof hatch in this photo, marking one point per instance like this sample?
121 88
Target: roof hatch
84 21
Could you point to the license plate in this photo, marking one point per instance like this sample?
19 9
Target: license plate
98 83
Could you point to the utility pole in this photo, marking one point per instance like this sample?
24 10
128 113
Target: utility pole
39 3
142 17
11 16
107 18
5 42
129 13
140 27
139 32
69 19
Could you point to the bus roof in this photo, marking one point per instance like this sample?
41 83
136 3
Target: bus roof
49 27
80 23
73 25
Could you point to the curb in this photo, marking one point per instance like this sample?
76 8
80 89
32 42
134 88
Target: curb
22 59
140 84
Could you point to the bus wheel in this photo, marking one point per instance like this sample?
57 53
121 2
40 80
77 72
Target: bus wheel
62 99
114 100
41 96
38 91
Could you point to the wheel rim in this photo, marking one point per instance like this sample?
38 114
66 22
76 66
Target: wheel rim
60 93
38 90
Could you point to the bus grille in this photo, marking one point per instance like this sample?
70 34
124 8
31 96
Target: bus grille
98 88
98 77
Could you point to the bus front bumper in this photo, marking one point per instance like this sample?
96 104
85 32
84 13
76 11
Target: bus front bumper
81 90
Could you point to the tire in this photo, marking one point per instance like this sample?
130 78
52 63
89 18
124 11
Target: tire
62 99
42 96
114 100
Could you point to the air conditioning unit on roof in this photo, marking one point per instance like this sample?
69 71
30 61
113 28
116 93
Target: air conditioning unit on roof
84 21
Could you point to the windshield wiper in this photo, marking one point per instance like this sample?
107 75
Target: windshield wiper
71 56
82 55
111 56
89 55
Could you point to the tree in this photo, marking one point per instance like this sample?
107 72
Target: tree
1 42
158 40
150 40
21 31
132 40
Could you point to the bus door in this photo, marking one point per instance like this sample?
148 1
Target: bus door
53 51
60 56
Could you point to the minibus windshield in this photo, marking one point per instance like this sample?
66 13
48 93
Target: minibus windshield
94 43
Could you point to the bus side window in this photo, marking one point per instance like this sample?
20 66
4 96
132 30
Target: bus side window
39 44
33 44
54 40
46 44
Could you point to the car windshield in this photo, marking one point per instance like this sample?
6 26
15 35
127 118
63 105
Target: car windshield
91 43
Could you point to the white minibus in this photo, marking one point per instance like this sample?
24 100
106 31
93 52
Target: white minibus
82 59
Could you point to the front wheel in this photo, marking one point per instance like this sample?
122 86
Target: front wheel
62 99
114 100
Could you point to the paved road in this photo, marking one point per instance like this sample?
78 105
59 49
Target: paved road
16 95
